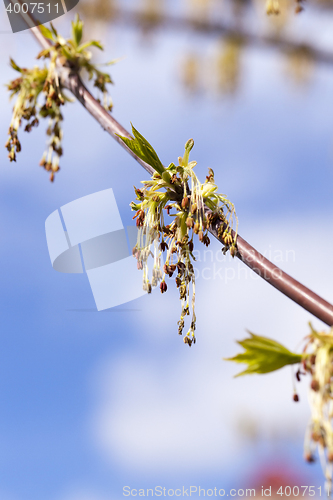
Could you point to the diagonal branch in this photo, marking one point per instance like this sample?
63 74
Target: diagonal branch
287 285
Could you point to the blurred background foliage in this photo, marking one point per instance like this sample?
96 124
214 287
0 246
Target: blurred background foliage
230 25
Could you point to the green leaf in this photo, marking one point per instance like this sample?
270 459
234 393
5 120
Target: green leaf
44 53
113 61
46 32
54 31
15 66
141 147
67 53
89 44
77 29
264 355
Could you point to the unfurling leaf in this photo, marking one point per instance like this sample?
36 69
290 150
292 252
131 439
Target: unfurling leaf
92 43
264 355
15 66
141 147
54 31
77 29
46 32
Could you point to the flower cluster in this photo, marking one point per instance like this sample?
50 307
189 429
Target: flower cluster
318 363
177 192
44 82
263 355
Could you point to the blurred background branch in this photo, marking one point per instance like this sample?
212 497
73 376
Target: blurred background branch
227 22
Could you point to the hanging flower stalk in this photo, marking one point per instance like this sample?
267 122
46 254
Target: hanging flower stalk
39 93
263 355
176 192
319 364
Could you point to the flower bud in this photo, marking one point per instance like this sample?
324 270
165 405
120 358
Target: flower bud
189 145
315 436
189 222
185 202
181 266
228 240
233 251
12 156
309 457
163 246
315 385
163 287
196 227
206 240
296 398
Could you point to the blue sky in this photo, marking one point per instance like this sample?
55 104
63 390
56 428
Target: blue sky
92 401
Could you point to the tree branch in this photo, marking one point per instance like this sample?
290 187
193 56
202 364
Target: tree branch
131 17
287 285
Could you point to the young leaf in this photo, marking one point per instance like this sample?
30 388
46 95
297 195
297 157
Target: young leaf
77 28
15 66
263 355
113 61
44 53
89 44
54 31
141 147
46 32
